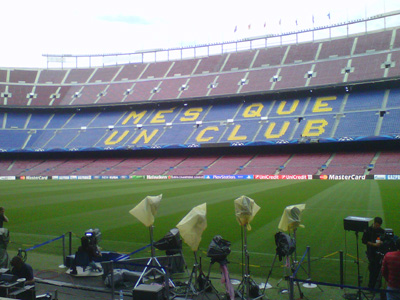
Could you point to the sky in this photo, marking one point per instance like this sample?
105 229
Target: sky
30 29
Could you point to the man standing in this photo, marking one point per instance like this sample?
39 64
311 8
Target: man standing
371 238
391 272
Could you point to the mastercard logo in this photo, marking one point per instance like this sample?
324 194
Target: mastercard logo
323 177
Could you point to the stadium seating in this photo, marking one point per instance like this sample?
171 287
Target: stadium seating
298 65
334 48
23 76
51 76
270 57
352 116
161 111
159 166
239 61
388 162
265 164
373 42
105 74
211 64
349 163
183 68
301 53
305 163
192 165
228 164
79 75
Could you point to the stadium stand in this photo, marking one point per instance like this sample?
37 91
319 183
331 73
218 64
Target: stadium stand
105 74
115 93
156 70
51 76
23 76
159 166
388 162
328 72
265 164
301 53
348 163
366 67
373 42
183 67
211 64
127 166
239 61
293 77
305 163
169 89
198 86
270 57
226 84
143 90
43 95
130 72
78 75
89 94
324 91
228 164
19 94
334 48
193 165
258 80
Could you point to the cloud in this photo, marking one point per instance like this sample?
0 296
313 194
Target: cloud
137 20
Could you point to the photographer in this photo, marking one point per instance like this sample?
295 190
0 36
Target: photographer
391 272
371 238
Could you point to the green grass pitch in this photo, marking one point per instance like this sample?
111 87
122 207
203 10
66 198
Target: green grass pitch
41 210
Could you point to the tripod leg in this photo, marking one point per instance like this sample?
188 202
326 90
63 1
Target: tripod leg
190 286
269 274
208 284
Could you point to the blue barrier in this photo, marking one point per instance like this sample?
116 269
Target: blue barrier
134 252
45 243
302 259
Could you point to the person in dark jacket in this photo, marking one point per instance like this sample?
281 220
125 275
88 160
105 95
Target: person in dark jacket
372 238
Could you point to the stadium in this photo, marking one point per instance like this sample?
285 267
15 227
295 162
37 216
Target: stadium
306 117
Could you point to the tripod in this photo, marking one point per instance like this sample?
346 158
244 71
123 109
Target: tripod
286 247
193 277
199 283
269 274
360 294
153 265
243 289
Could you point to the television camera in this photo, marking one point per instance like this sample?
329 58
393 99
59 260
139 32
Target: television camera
219 249
94 236
388 240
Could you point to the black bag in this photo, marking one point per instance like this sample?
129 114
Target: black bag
171 242
285 245
254 290
219 249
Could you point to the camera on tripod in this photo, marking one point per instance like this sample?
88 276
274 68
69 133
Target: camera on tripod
388 240
94 236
